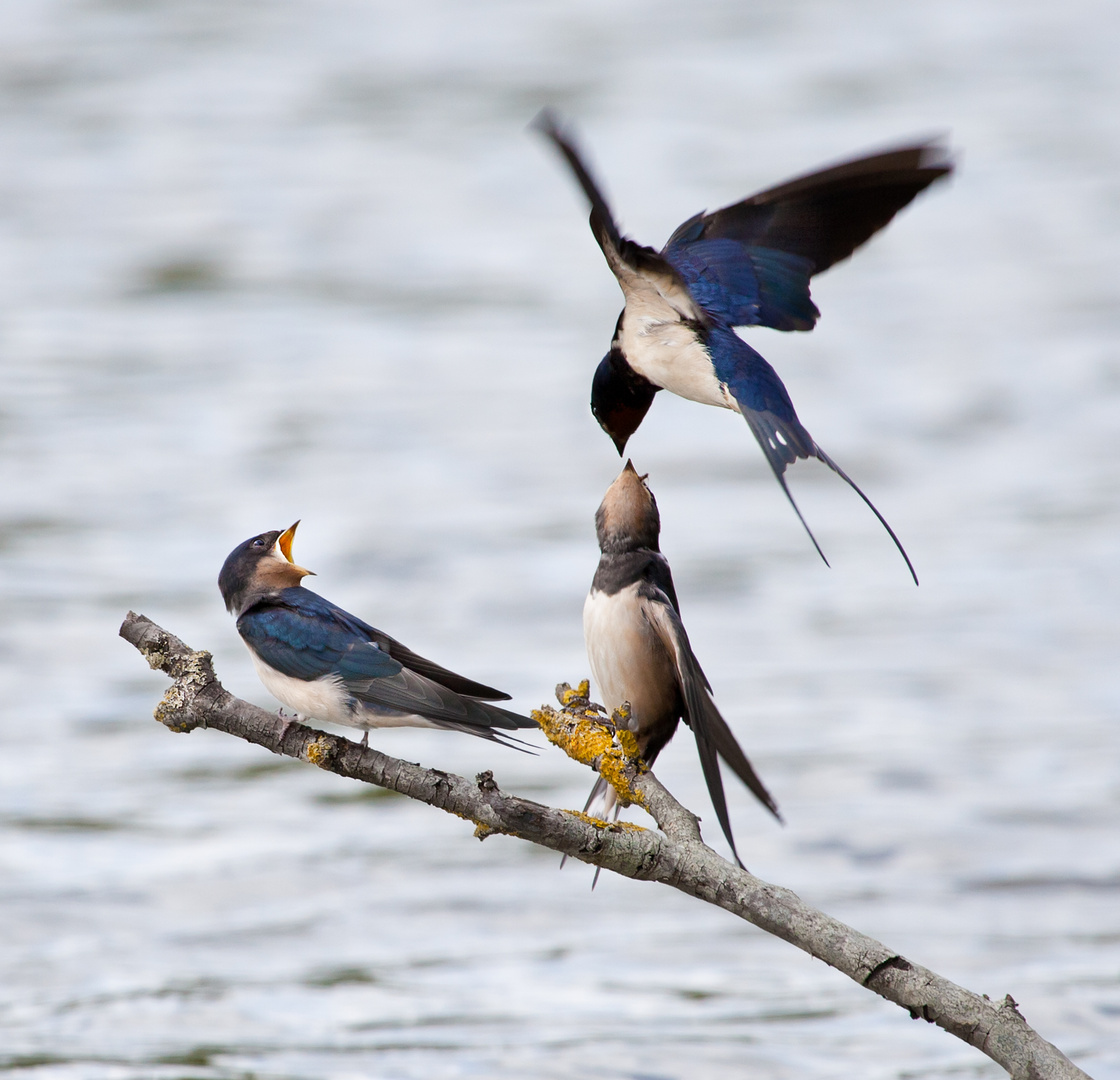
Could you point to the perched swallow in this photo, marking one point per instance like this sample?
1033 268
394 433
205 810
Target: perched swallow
748 264
639 650
325 663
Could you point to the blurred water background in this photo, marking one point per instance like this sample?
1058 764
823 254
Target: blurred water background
262 261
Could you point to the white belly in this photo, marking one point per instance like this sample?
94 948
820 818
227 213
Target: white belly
628 660
327 699
670 356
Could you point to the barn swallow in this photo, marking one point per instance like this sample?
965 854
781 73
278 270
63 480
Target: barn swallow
325 663
748 264
639 650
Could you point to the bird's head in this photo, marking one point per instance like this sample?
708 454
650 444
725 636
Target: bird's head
259 566
627 518
620 397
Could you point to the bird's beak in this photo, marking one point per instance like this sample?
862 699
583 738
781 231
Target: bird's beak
284 543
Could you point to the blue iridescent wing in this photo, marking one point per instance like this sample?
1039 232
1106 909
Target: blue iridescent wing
307 638
745 285
819 218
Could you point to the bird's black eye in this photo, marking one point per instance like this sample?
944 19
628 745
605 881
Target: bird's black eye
259 542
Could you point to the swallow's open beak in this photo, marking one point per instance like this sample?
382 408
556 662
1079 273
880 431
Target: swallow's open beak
284 543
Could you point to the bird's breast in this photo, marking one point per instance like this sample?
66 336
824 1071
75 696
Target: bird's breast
322 699
672 356
628 660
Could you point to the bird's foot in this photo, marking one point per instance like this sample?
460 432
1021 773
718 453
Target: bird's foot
623 719
579 698
285 722
364 744
574 697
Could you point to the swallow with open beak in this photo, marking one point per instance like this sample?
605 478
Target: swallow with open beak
324 663
748 264
639 650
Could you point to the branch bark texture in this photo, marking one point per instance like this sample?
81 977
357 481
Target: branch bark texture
674 856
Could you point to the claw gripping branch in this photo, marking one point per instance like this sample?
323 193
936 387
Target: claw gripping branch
584 731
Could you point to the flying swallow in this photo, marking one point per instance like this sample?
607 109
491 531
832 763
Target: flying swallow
748 264
639 650
325 663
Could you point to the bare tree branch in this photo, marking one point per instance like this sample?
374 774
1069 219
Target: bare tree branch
674 856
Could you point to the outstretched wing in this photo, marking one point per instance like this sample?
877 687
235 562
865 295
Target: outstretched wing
745 285
763 250
654 290
714 739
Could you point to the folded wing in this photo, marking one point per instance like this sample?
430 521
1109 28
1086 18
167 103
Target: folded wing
714 739
307 637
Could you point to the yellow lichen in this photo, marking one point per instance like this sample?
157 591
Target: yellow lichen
318 752
567 696
481 829
583 731
626 738
610 826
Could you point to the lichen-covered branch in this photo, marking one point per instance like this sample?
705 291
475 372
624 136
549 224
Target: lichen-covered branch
586 734
674 856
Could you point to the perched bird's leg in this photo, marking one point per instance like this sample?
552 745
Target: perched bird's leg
364 744
286 721
622 720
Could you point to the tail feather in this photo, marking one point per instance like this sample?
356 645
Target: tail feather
783 442
713 736
486 715
709 763
599 790
871 506
489 734
728 748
